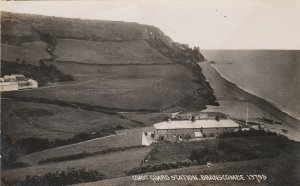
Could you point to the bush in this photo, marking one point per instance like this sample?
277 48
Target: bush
65 158
195 155
68 177
249 133
224 151
85 154
43 73
207 154
119 127
159 167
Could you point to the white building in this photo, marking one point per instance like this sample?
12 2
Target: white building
8 86
187 129
16 82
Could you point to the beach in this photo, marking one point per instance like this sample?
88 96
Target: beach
234 101
273 75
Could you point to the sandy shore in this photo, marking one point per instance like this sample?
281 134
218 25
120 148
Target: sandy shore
233 101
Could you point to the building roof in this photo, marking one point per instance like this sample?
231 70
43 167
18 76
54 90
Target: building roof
15 77
187 124
198 134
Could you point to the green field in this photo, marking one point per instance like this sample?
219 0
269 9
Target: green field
279 171
134 87
109 52
126 138
30 52
112 165
24 119
114 64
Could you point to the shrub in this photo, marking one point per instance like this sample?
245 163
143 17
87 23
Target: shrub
119 127
224 151
43 73
159 167
249 133
86 154
68 177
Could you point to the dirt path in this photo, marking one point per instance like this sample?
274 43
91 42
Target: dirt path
61 85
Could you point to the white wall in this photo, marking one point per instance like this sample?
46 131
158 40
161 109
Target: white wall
8 86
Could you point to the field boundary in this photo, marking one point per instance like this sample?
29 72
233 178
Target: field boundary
84 106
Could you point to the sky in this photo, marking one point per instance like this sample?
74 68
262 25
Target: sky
209 24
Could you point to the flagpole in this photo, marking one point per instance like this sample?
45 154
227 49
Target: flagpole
247 113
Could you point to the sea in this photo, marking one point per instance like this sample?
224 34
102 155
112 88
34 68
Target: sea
270 74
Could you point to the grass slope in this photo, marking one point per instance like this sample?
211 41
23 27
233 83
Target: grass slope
135 86
26 27
279 171
109 52
219 150
30 52
24 120
130 137
108 42
43 73
112 165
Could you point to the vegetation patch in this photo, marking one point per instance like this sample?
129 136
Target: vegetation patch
68 177
85 154
247 133
188 58
159 167
35 112
31 145
93 52
166 156
10 151
43 73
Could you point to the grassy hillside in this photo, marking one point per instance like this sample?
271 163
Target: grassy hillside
21 26
69 43
278 171
30 52
60 41
223 150
115 67
151 87
111 164
43 73
108 52
125 138
23 120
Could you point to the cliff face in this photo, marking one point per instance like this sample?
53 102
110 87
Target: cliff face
33 39
18 28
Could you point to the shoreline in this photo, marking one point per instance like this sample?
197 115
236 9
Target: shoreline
277 105
229 94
